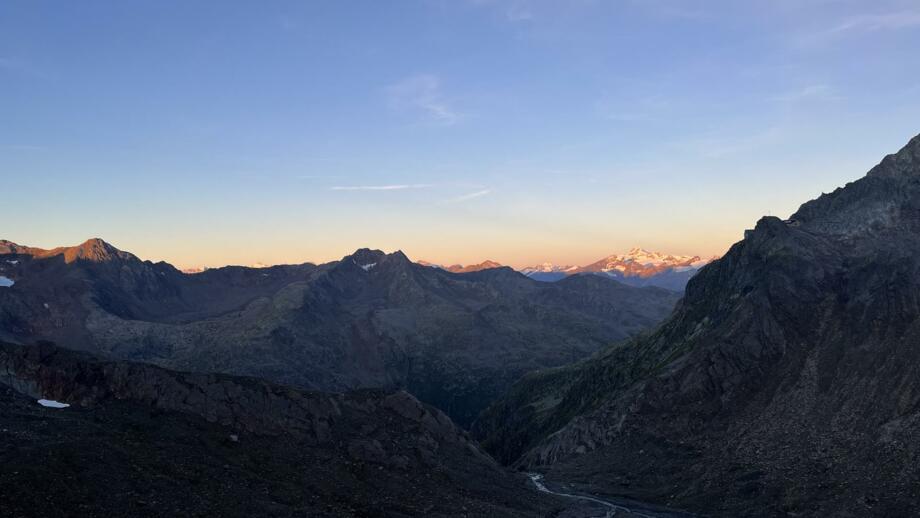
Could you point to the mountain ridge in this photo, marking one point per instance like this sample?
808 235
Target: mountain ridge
784 382
637 267
371 319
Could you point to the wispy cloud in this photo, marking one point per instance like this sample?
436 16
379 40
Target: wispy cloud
857 24
423 93
470 196
393 187
816 92
878 22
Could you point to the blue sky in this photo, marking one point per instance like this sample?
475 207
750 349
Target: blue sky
207 133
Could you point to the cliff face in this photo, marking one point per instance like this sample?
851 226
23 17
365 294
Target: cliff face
785 382
147 441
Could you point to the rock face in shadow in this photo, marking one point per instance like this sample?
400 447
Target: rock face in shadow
371 320
139 440
785 383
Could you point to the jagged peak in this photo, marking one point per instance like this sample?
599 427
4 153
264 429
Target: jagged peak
871 204
93 249
906 162
400 256
368 258
364 256
97 244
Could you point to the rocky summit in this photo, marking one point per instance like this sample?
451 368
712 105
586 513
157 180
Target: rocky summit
370 320
784 384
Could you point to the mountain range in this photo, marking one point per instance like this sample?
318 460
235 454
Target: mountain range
459 268
638 267
370 320
784 384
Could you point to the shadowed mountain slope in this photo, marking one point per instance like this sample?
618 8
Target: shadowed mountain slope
785 383
139 440
369 320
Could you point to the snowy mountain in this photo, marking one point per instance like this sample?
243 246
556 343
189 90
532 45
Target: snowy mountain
548 272
642 263
548 268
638 267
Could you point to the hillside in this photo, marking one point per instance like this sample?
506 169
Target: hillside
784 383
138 440
370 320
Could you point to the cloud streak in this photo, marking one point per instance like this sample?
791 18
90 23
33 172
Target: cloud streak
818 92
878 22
422 93
864 24
470 196
392 187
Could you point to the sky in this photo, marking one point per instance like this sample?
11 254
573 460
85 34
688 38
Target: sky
522 131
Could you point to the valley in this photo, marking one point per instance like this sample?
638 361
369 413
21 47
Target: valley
782 384
460 259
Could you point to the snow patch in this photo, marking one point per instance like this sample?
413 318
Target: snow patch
367 267
13 262
6 282
50 403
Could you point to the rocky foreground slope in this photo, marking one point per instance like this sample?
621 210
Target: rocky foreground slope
785 383
139 440
370 320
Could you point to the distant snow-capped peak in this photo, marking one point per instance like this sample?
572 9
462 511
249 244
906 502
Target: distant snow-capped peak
637 262
548 268
643 257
